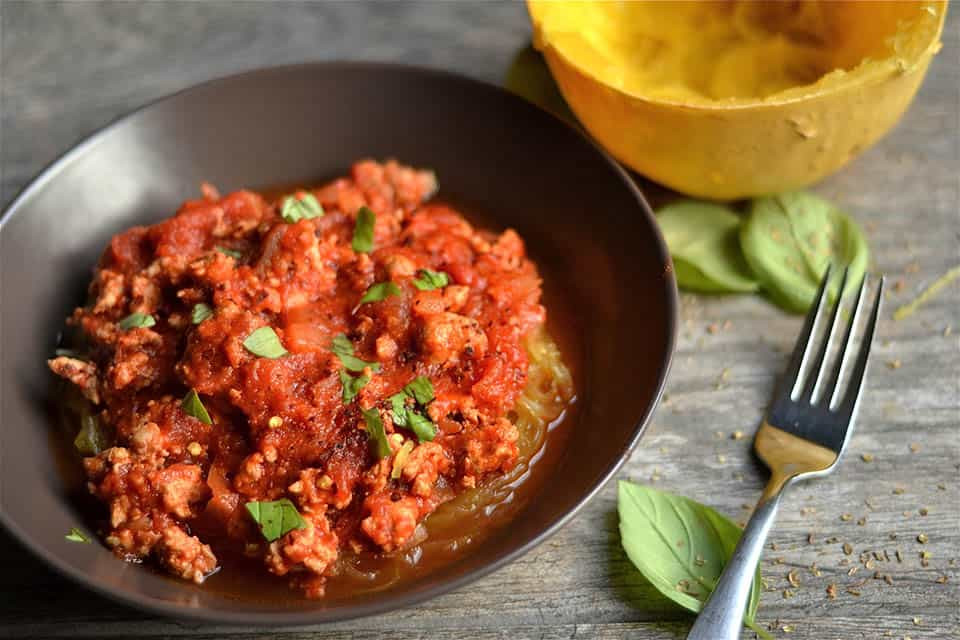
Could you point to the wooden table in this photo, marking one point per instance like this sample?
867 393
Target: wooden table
70 68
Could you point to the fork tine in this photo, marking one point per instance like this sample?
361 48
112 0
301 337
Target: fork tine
819 366
829 384
794 373
852 398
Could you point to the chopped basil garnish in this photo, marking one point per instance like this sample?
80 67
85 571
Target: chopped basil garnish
428 280
233 253
295 209
200 313
93 437
420 390
422 426
276 518
376 432
363 231
192 406
343 349
76 535
137 321
351 385
264 343
379 291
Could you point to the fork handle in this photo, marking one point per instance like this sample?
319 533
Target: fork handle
722 616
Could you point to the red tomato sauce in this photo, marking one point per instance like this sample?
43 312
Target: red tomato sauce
282 427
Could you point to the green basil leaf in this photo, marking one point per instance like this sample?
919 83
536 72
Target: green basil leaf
704 241
76 535
379 291
420 389
398 405
422 426
343 349
264 342
192 406
376 432
305 207
200 312
428 280
233 253
790 239
679 545
93 437
276 518
363 231
351 385
136 321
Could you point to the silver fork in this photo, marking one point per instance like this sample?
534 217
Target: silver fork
803 436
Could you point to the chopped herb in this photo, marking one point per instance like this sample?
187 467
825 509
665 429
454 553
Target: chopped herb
137 321
351 385
264 343
376 432
192 406
93 437
401 459
304 207
343 349
76 535
363 231
422 426
398 404
428 280
379 291
420 389
233 253
276 518
200 313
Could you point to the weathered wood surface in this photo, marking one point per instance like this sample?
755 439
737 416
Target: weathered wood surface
69 68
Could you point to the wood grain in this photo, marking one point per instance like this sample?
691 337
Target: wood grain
66 69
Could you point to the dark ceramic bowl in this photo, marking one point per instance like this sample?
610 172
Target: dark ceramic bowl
582 217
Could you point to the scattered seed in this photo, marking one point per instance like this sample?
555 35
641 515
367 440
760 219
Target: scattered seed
846 517
862 521
922 538
810 538
924 511
852 570
914 447
787 593
894 364
899 556
787 628
888 579
737 435
897 491
947 330
721 458
916 620
793 579
942 487
867 457
943 579
853 592
847 548
832 591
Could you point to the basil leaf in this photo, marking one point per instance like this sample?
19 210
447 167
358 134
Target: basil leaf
192 406
343 349
420 389
264 342
379 291
376 432
398 405
790 239
305 207
422 426
363 231
76 535
136 321
276 518
233 253
200 312
679 545
428 280
351 385
93 437
704 241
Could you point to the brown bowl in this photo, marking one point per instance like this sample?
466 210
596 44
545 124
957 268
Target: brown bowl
584 221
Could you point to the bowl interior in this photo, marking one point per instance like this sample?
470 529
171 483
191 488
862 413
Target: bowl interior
582 219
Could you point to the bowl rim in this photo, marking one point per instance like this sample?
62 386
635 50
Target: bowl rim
321 616
876 74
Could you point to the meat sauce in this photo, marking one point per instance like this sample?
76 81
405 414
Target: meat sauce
173 307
